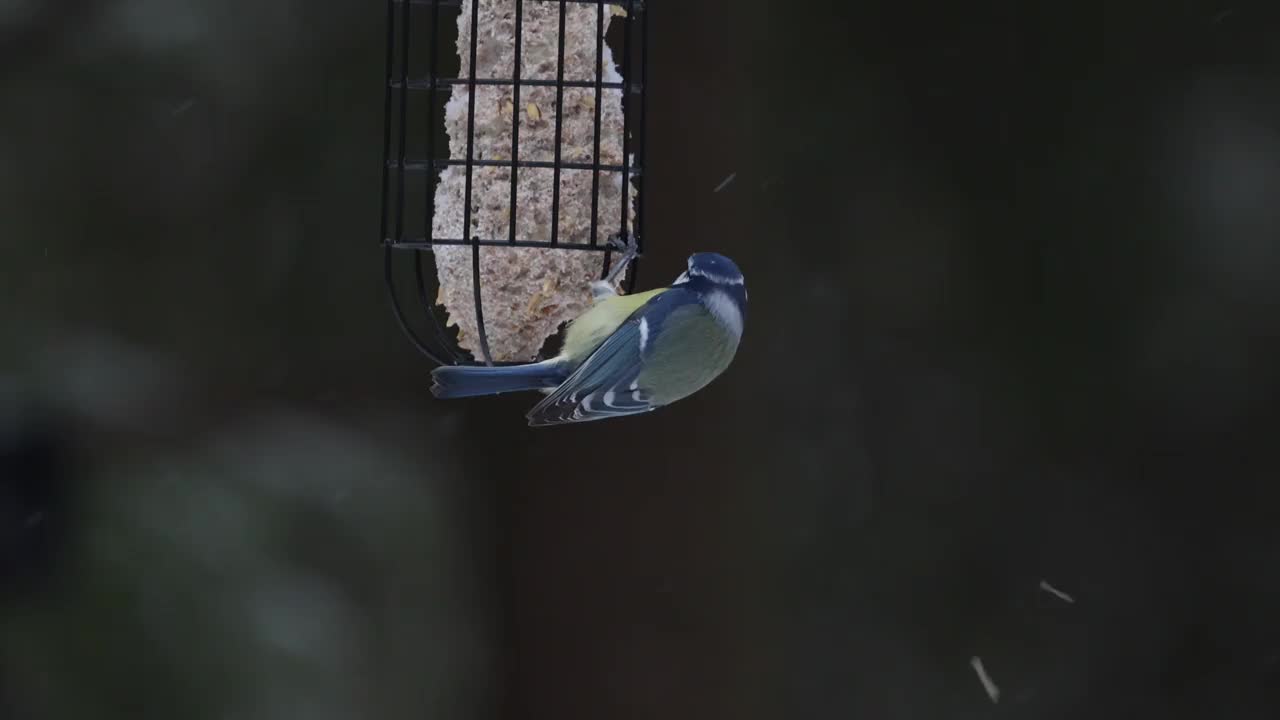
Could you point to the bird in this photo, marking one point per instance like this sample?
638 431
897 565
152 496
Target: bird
626 354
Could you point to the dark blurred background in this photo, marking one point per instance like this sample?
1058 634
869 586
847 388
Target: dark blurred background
1014 322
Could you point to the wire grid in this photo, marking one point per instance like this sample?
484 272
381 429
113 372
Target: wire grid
405 78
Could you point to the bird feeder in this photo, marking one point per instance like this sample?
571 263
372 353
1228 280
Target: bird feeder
513 158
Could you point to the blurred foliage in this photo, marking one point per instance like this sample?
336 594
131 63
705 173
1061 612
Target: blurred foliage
287 568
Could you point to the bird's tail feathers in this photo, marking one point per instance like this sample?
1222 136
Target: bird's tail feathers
459 381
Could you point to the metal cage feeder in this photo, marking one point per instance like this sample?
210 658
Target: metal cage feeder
531 138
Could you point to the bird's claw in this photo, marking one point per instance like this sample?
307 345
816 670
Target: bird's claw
601 290
630 250
622 245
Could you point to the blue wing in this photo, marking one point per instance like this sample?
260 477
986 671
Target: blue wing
606 384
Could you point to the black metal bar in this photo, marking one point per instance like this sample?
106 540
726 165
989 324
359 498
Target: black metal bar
404 113
555 172
470 165
421 165
643 19
625 201
443 84
397 235
475 285
431 117
386 114
422 244
595 155
424 299
399 313
640 6
515 120
429 205
626 125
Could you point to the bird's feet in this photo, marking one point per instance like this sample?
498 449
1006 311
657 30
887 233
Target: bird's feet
630 251
618 243
601 290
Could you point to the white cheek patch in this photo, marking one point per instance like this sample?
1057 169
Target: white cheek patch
712 277
725 310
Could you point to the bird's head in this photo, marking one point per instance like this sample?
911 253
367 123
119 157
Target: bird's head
720 284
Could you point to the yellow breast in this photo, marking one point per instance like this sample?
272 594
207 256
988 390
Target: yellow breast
595 325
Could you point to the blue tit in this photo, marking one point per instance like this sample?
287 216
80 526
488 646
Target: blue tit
627 354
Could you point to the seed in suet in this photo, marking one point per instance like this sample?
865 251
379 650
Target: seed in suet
510 277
